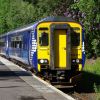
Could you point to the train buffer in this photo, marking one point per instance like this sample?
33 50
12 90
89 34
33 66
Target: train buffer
18 84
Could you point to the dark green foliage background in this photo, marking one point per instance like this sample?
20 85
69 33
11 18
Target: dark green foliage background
16 13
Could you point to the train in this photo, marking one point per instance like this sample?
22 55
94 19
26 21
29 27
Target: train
53 47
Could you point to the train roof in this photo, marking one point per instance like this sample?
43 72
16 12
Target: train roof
32 25
57 19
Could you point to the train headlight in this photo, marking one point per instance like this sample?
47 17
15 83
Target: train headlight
73 61
77 60
43 61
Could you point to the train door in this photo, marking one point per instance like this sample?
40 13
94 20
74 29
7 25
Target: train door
60 48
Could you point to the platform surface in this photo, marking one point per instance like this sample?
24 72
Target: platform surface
18 84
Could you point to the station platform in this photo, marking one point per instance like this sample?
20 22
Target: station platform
18 84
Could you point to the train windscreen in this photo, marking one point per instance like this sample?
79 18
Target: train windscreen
75 39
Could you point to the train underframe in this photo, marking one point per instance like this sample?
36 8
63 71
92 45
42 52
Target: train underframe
60 77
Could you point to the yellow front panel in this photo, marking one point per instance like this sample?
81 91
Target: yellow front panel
76 51
60 48
43 52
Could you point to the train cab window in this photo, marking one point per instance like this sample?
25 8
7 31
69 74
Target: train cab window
75 39
43 40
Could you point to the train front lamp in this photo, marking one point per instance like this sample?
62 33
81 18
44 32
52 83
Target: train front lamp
73 61
43 61
77 60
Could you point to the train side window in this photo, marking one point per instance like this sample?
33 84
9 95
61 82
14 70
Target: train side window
2 42
75 39
16 42
43 40
12 43
20 44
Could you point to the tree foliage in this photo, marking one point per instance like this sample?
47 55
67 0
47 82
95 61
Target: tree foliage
15 13
91 24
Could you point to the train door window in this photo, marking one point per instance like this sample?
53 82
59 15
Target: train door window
43 40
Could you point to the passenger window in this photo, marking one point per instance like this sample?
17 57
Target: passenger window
12 43
16 42
43 40
2 44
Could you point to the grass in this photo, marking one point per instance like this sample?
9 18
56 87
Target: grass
92 66
92 73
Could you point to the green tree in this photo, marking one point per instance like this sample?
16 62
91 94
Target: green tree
15 13
91 24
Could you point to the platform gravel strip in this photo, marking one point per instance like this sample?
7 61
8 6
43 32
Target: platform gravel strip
47 91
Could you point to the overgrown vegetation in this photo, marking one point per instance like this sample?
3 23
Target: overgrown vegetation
91 24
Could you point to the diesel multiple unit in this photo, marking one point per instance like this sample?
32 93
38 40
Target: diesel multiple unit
54 47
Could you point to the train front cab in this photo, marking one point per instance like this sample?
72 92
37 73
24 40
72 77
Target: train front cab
58 59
